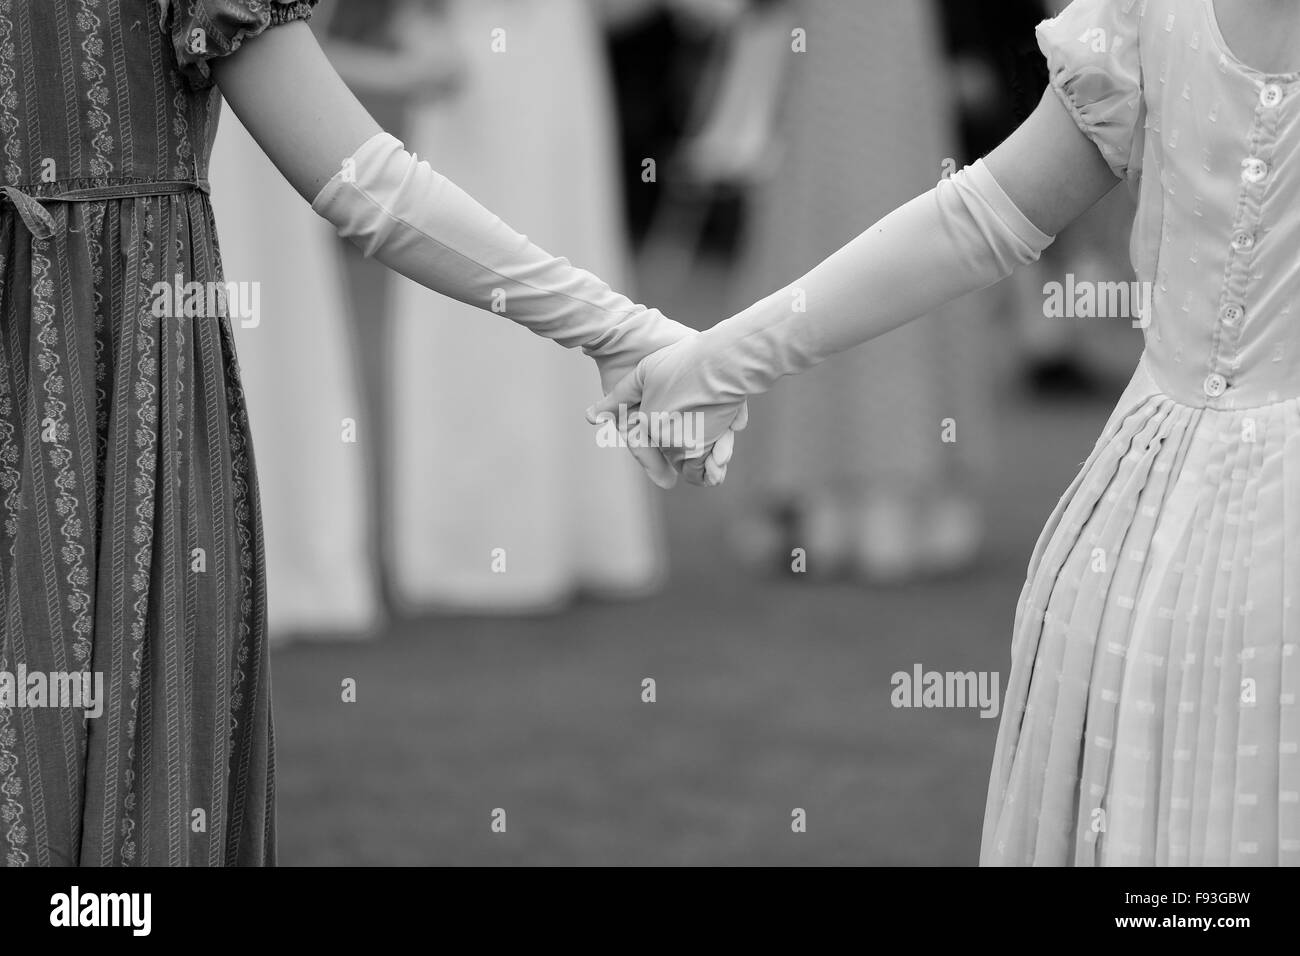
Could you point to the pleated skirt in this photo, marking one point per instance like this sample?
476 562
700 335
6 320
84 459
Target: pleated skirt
130 548
1150 715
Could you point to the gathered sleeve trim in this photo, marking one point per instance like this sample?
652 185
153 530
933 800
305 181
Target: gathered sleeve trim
1094 66
203 30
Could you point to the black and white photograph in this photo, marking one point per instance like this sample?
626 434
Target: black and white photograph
651 434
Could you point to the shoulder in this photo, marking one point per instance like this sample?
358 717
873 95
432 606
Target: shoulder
202 30
1094 59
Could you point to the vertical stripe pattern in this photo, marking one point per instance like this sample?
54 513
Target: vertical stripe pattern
130 531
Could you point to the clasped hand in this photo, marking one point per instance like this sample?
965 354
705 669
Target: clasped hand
673 416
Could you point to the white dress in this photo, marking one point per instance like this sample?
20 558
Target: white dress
502 500
302 390
1151 712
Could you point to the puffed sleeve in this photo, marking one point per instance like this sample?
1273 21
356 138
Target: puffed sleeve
202 30
1095 68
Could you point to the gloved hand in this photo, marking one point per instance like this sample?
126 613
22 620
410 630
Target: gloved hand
961 236
400 211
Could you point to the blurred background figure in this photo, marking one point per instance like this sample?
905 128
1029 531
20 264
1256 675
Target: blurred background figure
774 692
310 430
669 59
316 435
872 466
394 56
545 514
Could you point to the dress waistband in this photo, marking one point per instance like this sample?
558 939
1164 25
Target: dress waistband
42 225
1249 388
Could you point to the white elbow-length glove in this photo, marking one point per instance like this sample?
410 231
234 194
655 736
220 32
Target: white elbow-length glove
963 235
400 211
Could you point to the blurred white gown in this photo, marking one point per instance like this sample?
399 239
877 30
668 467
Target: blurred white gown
491 449
301 385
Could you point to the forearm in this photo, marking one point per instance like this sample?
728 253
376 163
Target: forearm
398 209
961 236
403 213
968 232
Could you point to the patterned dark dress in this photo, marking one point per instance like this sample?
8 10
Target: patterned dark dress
130 534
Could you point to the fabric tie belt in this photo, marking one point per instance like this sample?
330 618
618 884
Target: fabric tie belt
42 225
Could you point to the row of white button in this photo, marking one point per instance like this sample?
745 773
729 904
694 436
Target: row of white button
1253 170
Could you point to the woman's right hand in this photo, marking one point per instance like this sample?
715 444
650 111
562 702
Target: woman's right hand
677 388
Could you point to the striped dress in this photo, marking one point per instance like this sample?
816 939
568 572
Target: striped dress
130 535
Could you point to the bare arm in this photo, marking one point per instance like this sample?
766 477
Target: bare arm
961 236
403 213
293 102
295 105
965 234
1049 169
